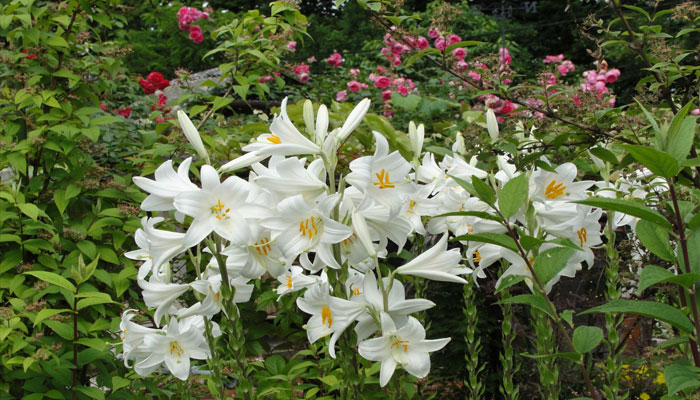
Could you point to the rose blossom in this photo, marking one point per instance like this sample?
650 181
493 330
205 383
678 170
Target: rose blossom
382 82
422 43
354 86
386 95
459 53
341 95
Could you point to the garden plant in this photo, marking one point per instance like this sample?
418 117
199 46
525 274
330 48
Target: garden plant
349 199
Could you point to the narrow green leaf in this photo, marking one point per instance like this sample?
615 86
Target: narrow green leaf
587 338
655 239
52 278
651 309
48 312
513 196
498 239
630 207
568 355
479 214
466 185
653 275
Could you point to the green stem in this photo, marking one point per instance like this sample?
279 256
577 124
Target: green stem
473 343
508 389
613 364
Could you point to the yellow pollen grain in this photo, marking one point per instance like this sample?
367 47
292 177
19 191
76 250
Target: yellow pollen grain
554 190
307 230
326 316
356 291
383 180
289 281
274 139
400 343
477 257
218 209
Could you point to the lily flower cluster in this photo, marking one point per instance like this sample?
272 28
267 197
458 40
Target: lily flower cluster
295 220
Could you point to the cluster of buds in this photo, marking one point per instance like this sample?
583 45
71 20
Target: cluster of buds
186 17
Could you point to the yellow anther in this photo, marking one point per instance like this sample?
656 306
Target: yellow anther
554 190
581 236
289 281
176 349
477 257
326 316
400 343
218 209
356 291
274 139
263 246
383 180
307 230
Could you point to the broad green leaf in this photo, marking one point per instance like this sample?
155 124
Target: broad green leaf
587 338
62 329
52 278
30 210
91 301
550 262
466 185
91 392
484 191
605 155
118 382
220 102
479 214
567 355
680 133
681 376
655 239
57 41
48 312
195 110
408 103
653 275
660 311
630 207
509 281
568 316
498 239
659 162
533 300
88 248
513 196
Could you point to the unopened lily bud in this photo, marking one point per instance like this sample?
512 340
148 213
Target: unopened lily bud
492 124
192 135
321 124
459 147
416 136
309 116
354 119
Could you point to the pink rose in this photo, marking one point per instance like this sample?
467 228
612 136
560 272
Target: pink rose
474 75
292 46
354 86
459 53
341 96
433 33
440 43
553 59
612 75
695 111
196 34
566 67
452 39
403 91
382 82
335 60
386 95
381 70
354 72
422 43
504 56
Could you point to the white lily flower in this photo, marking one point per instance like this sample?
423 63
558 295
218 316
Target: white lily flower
405 346
322 120
584 230
162 296
166 186
284 138
254 255
329 315
182 341
216 207
398 308
294 280
132 335
301 226
243 161
162 245
192 135
288 177
212 303
558 186
437 263
382 176
309 116
519 267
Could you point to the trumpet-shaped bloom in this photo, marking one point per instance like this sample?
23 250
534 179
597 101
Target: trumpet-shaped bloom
192 135
558 186
166 186
182 341
289 177
216 207
437 263
294 280
162 296
405 346
284 138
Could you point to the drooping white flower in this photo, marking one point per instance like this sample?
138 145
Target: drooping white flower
437 263
284 138
288 176
294 279
132 335
584 230
405 346
161 295
166 185
182 341
255 254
